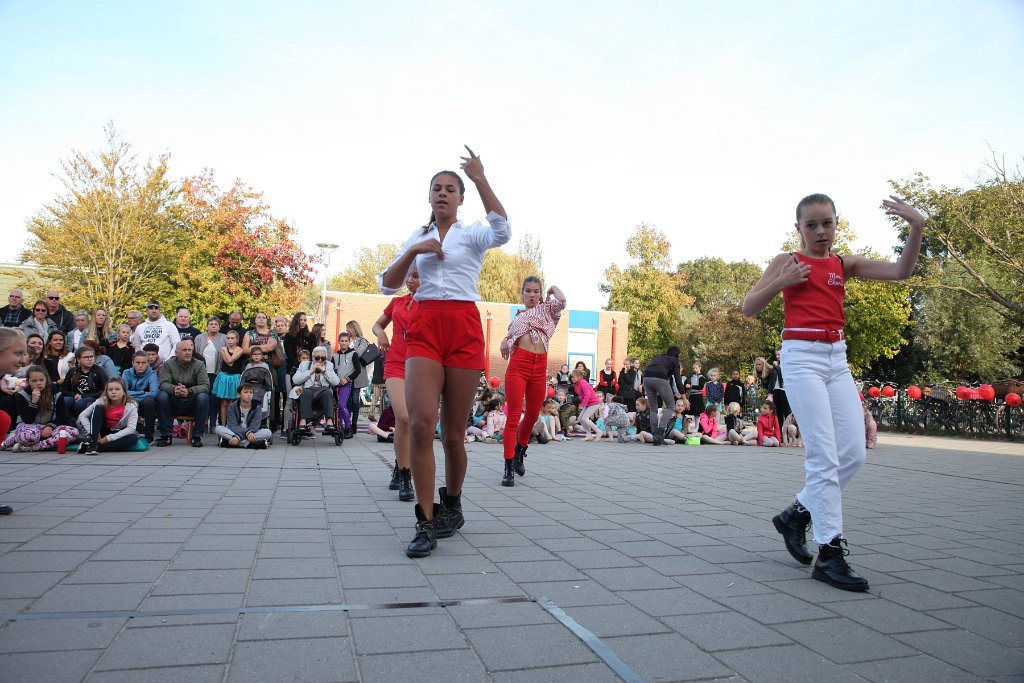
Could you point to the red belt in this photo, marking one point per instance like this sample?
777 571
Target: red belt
830 336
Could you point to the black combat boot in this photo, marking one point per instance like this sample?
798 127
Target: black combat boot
517 461
792 524
396 478
831 567
425 539
510 476
405 491
449 519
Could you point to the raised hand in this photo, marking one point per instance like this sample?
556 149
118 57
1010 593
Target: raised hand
472 165
793 272
895 206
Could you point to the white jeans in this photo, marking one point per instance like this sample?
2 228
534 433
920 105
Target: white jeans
824 399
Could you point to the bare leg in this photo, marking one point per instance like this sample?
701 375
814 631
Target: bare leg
396 390
424 383
457 400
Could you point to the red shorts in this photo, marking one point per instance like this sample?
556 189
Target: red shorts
448 332
394 368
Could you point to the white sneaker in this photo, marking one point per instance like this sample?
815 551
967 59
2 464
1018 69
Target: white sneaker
17 448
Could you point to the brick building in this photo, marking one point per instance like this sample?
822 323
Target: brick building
581 335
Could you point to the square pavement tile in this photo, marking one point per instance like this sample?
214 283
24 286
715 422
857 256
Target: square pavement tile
394 635
326 660
285 625
52 667
724 631
616 620
449 665
293 592
919 668
844 641
58 634
999 626
536 646
142 648
785 664
967 651
666 657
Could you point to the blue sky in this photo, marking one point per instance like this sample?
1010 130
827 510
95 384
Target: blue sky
708 120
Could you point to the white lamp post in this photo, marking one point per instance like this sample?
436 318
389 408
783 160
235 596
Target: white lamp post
326 249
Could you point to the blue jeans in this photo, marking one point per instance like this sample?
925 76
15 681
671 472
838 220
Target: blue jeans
74 407
197 406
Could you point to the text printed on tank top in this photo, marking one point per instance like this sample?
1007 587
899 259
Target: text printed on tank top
835 280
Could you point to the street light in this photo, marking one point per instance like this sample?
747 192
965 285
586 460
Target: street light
326 249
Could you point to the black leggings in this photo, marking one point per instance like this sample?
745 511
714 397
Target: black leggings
98 428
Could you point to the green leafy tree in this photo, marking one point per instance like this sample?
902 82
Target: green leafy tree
877 312
502 275
648 289
368 264
719 334
110 239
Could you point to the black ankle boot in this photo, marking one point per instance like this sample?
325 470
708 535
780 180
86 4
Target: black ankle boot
510 478
449 518
517 461
425 539
396 478
831 567
405 491
792 524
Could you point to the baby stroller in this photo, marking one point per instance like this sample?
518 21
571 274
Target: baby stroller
294 433
262 380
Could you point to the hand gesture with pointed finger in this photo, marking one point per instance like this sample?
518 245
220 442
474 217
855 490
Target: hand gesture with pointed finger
472 165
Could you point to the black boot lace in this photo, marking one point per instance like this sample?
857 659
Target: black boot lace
838 550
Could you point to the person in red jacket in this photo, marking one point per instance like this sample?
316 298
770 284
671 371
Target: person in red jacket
768 432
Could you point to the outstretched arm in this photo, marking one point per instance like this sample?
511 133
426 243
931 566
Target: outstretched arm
870 269
785 270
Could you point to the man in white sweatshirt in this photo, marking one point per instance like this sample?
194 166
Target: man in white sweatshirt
156 329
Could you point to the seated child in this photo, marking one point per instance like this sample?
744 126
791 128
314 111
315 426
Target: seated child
768 432
547 427
615 418
153 356
709 432
109 423
384 428
642 421
494 424
297 388
42 414
791 432
680 424
258 375
244 417
735 427
84 383
870 429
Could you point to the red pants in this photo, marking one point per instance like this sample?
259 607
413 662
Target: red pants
5 424
526 375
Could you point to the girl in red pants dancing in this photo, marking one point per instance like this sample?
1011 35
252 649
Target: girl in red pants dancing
527 344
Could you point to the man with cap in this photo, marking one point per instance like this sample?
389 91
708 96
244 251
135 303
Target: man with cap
158 330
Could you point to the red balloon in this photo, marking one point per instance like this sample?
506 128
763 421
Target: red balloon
914 392
874 392
495 381
963 393
861 396
888 391
551 392
1013 400
987 392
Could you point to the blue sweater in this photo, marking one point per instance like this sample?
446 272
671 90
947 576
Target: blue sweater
140 386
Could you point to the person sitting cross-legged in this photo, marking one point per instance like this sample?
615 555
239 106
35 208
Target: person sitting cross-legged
243 427
184 390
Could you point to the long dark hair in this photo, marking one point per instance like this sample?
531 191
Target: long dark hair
293 327
49 338
46 395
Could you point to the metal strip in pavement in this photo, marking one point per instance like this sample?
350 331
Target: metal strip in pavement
624 671
277 609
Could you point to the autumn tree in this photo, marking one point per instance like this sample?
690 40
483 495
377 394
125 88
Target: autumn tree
109 239
502 275
237 255
650 291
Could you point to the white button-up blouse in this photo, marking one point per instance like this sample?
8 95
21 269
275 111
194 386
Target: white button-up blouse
454 277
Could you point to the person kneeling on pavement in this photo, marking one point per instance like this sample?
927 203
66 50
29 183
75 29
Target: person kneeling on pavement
184 390
244 418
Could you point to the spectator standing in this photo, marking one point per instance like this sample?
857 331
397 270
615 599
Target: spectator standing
14 313
78 335
183 324
121 351
133 318
156 330
695 390
208 348
61 317
100 327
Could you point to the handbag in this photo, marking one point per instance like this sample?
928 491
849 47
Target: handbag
369 355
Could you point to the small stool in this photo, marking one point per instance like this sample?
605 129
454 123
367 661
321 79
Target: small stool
188 420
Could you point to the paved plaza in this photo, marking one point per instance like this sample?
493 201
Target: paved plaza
605 562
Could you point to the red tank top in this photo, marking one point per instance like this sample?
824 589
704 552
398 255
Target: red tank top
818 303
400 320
